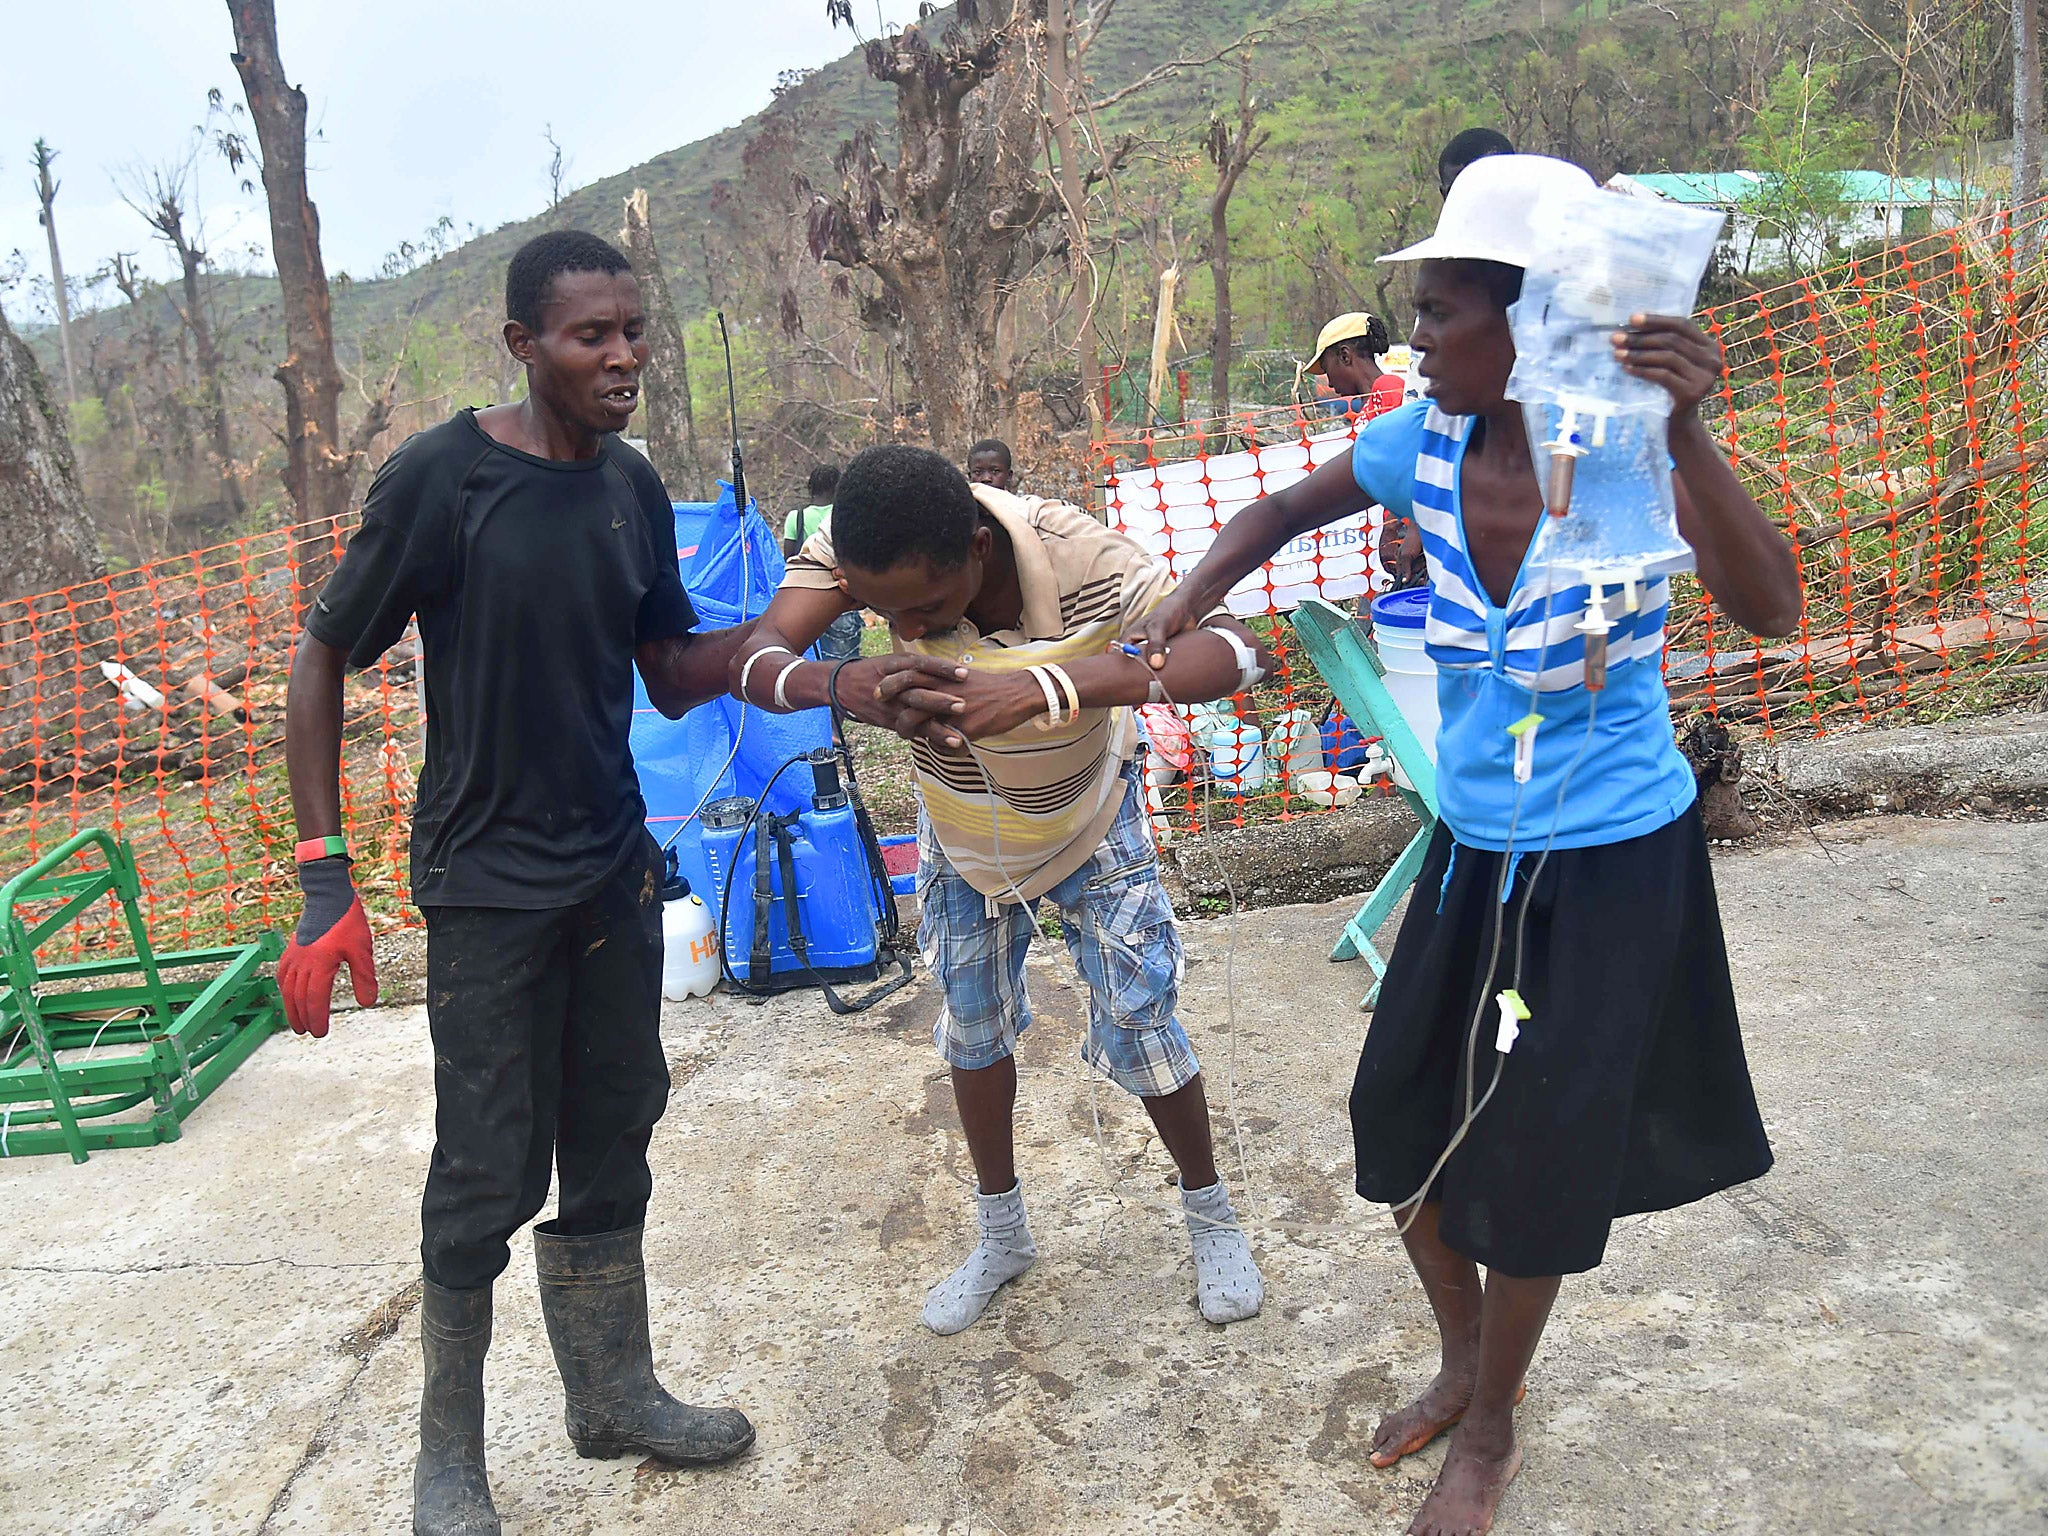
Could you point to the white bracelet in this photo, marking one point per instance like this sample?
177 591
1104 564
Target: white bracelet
1067 687
1051 717
747 671
782 677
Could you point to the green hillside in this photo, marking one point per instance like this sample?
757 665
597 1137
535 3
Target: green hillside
1357 95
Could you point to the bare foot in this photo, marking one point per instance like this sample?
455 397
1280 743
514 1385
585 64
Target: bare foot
1469 1488
1407 1430
1441 1406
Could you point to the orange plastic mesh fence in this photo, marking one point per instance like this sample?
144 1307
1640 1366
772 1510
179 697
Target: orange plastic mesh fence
1886 412
151 703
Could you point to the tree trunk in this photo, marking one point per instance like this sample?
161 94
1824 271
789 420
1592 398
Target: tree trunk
1219 272
47 539
209 360
1062 91
952 227
319 468
671 425
48 679
947 348
2026 119
46 194
1230 150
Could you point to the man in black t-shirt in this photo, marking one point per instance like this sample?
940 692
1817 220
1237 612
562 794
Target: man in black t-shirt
539 555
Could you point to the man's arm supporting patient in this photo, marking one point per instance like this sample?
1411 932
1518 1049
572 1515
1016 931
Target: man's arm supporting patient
683 671
909 695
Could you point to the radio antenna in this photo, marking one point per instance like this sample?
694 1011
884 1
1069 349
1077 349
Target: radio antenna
732 402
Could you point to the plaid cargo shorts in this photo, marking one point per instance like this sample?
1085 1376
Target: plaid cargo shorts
1119 928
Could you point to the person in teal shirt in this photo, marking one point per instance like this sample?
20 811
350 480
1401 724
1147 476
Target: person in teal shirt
1583 890
805 521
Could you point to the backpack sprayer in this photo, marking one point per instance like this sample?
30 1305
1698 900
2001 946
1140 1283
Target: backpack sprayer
821 910
1599 439
823 860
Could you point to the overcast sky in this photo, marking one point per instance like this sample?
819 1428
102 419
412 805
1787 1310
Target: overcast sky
422 107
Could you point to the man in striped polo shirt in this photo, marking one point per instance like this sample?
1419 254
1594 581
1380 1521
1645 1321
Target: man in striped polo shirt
1028 788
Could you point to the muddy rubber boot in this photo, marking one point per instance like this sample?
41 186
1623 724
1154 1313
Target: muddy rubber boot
593 1293
450 1494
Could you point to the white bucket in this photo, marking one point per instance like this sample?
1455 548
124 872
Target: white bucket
1320 787
1411 675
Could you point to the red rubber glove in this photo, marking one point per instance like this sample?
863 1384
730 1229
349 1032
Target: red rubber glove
332 932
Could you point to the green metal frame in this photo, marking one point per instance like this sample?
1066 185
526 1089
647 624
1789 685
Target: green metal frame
142 1043
1336 643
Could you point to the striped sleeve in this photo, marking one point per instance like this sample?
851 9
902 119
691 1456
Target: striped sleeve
1383 457
810 568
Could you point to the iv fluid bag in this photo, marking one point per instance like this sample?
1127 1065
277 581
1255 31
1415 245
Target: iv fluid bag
1623 524
1605 257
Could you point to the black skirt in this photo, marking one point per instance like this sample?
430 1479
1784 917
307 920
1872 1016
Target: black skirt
1627 1089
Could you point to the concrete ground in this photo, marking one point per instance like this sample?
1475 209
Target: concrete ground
218 1335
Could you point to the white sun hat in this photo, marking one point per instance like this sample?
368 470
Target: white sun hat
1488 214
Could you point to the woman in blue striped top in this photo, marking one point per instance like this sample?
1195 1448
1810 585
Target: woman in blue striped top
1587 889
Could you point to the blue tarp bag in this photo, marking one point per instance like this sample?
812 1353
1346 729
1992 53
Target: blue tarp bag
731 566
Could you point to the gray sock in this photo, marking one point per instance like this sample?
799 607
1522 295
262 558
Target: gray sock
1004 1252
1227 1284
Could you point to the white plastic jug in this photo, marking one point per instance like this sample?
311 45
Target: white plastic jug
1397 631
689 943
1295 745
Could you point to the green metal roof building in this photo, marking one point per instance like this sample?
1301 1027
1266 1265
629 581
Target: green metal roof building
1869 206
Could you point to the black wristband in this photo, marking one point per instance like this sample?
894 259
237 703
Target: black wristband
832 684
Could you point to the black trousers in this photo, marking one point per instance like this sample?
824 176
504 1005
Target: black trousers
547 1049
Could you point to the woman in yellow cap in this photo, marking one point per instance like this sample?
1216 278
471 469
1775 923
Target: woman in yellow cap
1347 358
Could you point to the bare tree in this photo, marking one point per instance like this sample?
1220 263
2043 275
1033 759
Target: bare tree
46 194
159 195
1066 45
558 173
127 277
1069 36
148 386
2026 111
1230 147
46 535
947 231
671 426
319 466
